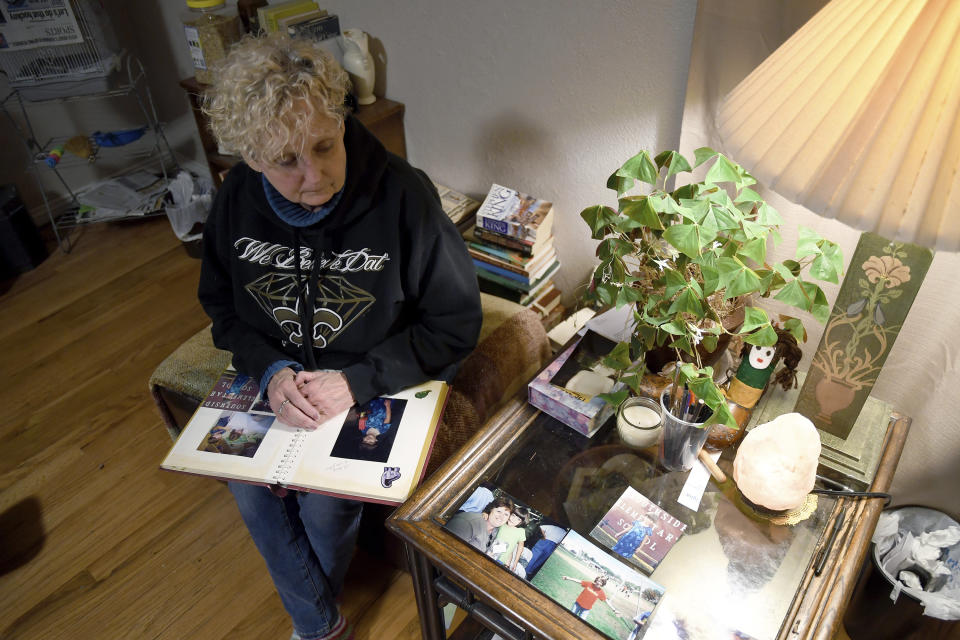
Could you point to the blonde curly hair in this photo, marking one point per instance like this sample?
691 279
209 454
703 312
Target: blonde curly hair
255 104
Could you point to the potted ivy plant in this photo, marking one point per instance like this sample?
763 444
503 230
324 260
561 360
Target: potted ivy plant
681 258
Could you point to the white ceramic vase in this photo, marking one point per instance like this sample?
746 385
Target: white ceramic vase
358 62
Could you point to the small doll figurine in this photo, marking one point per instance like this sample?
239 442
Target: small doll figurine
757 365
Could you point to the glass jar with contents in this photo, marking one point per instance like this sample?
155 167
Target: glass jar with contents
639 422
210 28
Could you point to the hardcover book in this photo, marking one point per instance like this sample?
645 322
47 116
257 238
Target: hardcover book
638 530
512 281
269 15
510 242
525 278
514 214
510 259
317 27
376 452
523 298
455 204
610 596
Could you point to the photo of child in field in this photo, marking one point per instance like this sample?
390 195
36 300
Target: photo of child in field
608 595
237 434
368 432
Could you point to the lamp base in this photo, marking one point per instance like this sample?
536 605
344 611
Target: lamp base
853 460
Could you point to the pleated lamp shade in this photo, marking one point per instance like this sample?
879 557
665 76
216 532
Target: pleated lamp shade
856 118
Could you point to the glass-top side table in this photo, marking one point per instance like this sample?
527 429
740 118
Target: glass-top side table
734 573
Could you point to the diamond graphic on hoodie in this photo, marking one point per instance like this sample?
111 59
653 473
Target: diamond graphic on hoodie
336 305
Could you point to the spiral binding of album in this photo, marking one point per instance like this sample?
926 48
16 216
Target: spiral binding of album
281 473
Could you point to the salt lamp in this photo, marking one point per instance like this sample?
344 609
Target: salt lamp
776 464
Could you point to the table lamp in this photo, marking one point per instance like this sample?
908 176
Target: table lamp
855 117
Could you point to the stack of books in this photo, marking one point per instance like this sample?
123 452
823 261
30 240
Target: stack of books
511 244
460 208
279 16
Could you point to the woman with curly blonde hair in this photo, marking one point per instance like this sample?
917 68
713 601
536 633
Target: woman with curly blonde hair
333 276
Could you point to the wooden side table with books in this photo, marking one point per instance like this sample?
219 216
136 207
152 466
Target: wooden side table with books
732 572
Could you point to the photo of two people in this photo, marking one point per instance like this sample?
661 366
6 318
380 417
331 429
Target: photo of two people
513 534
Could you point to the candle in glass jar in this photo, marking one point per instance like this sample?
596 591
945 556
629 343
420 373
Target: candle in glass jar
639 422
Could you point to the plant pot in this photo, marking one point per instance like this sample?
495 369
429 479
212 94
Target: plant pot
680 440
660 357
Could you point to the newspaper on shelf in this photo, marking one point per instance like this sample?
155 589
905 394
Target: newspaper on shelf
133 194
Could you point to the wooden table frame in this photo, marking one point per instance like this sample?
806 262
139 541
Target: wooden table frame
432 552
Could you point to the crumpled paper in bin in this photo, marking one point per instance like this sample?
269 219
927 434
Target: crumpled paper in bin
192 197
925 564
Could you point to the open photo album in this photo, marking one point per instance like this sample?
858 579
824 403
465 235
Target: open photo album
376 452
612 597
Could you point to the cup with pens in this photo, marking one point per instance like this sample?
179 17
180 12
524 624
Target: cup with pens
683 434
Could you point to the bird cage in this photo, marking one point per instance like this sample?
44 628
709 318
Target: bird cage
89 52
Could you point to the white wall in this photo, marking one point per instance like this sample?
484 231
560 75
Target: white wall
546 96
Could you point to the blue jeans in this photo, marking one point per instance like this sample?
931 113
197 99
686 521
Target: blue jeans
307 541
541 551
580 611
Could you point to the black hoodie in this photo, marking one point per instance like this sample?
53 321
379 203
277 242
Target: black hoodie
395 295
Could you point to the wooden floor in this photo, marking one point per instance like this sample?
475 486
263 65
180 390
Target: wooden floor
95 541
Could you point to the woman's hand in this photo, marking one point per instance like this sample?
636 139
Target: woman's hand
327 391
289 403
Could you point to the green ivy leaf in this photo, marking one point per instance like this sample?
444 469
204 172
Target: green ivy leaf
747 195
755 230
674 162
806 296
641 211
673 328
640 167
685 238
683 344
755 249
597 218
615 398
703 154
828 265
722 171
737 278
619 357
822 268
754 318
768 215
628 295
673 282
764 337
711 278
664 203
808 243
710 343
607 293
795 327
784 272
619 184
687 302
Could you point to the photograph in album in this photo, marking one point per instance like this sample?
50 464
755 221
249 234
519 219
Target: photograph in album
237 434
369 431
